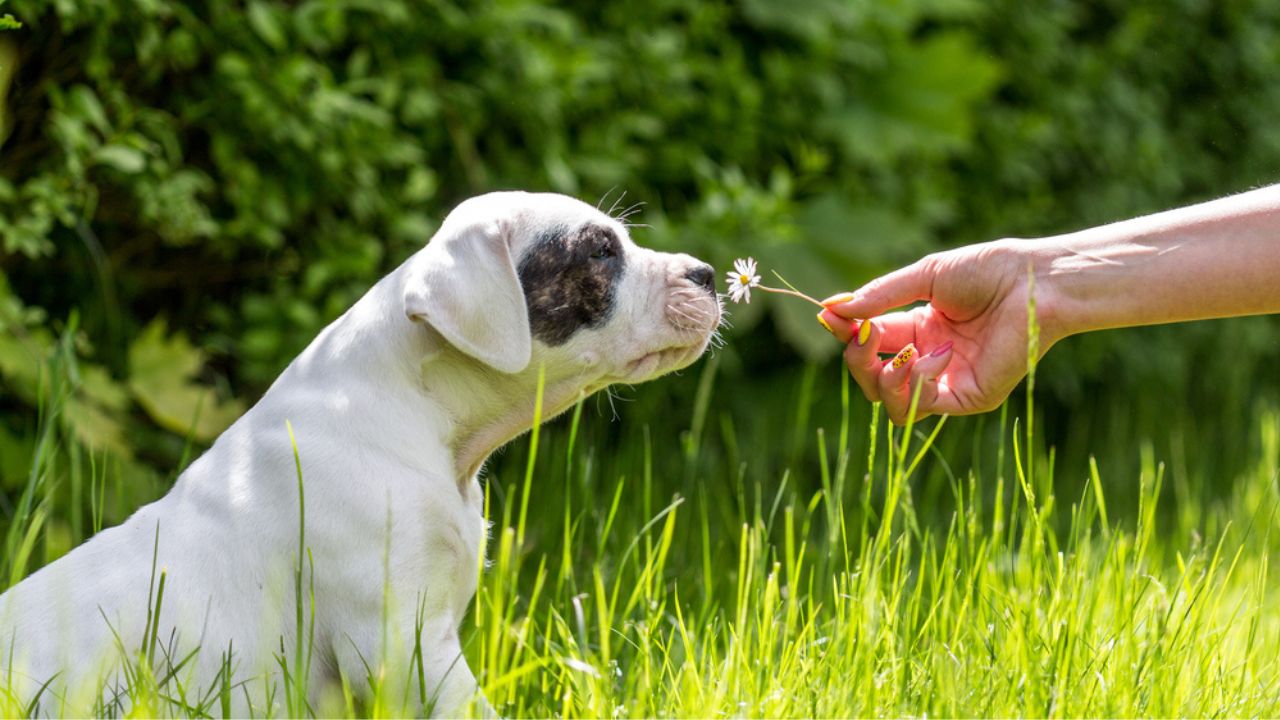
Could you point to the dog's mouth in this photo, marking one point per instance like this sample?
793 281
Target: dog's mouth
660 362
695 315
692 317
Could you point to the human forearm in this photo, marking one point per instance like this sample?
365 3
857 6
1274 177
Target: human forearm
1216 259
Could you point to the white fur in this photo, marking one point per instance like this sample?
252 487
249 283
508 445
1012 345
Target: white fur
395 407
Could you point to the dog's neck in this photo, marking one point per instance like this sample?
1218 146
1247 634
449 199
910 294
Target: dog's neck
487 408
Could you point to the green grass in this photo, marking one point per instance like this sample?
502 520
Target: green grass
845 601
680 566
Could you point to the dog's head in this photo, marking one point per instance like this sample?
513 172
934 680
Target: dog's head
525 280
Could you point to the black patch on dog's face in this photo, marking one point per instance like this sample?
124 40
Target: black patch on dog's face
570 281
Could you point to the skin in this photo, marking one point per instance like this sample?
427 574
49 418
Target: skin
968 343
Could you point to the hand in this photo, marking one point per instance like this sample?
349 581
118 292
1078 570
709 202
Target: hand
966 349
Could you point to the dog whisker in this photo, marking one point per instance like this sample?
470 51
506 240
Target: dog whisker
632 210
613 208
605 196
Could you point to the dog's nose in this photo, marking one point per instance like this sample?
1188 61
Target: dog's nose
703 276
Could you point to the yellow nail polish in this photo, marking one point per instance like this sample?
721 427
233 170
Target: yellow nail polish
837 299
825 324
904 356
864 333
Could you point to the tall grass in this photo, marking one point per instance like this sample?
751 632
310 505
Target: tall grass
630 575
1016 605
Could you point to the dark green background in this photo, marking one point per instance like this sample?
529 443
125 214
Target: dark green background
189 192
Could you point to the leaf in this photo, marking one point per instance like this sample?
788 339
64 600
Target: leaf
813 20
162 379
85 103
266 23
20 364
96 411
97 385
97 428
125 159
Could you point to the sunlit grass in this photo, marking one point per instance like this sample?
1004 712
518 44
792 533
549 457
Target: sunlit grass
1031 607
606 595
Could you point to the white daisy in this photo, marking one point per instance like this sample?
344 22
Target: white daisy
742 279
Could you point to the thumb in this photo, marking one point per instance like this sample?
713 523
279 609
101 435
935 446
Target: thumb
900 287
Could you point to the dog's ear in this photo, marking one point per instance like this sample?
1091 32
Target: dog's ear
464 284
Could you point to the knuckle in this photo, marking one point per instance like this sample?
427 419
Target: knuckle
872 287
930 263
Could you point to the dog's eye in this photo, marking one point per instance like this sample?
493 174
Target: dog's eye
604 252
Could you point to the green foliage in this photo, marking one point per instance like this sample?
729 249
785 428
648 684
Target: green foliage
7 21
161 379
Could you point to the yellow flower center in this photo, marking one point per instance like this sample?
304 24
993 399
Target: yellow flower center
744 279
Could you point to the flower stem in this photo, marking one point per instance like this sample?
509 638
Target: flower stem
793 293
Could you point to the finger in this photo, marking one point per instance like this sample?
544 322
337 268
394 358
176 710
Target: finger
838 298
898 288
895 392
842 329
924 375
897 330
864 364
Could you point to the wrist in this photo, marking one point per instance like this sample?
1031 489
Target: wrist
1058 313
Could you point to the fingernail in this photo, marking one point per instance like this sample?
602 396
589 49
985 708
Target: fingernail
904 356
864 333
942 349
843 297
824 323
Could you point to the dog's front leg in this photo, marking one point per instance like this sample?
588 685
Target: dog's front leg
451 689
443 682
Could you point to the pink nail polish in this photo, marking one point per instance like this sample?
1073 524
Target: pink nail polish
942 349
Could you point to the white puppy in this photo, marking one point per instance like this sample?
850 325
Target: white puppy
395 407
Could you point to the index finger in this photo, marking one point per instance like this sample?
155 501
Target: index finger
900 287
